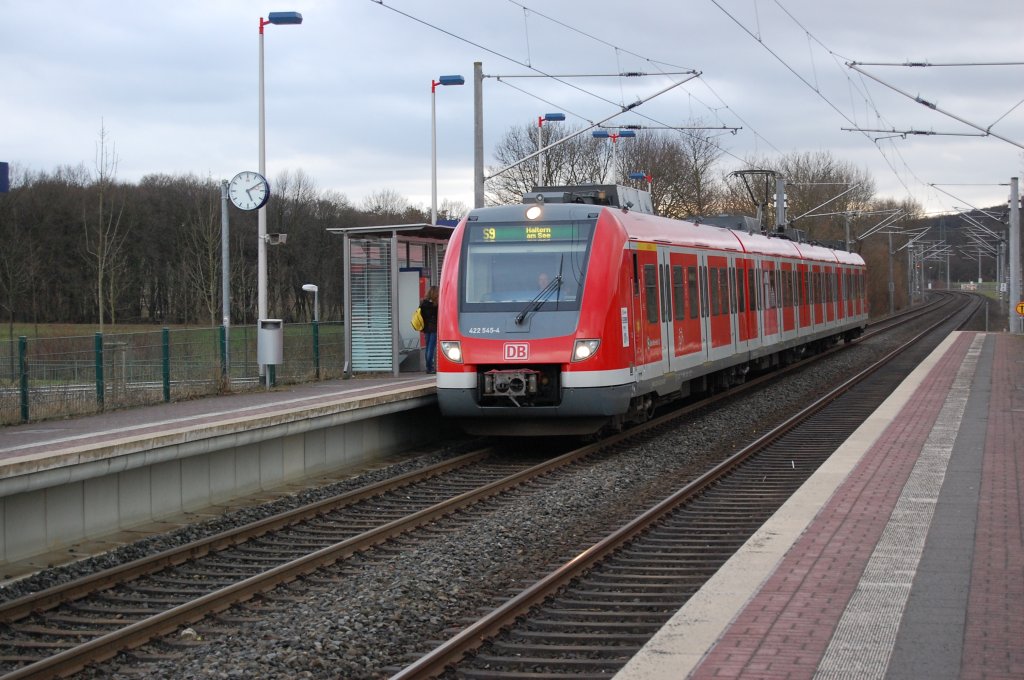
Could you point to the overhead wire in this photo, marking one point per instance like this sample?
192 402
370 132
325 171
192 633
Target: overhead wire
817 90
561 80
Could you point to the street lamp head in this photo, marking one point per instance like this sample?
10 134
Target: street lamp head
554 116
600 134
310 287
627 133
282 18
451 80
637 175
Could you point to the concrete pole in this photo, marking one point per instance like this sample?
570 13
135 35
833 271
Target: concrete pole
478 134
1015 319
540 151
892 284
225 268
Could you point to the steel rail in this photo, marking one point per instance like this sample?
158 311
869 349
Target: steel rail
72 590
140 632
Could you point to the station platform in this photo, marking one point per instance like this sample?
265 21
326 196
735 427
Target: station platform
902 557
50 443
63 482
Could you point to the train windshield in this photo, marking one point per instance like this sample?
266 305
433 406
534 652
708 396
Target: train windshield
507 265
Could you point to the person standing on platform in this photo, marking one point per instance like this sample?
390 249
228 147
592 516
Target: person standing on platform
428 309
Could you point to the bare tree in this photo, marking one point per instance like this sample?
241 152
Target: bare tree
683 166
201 257
386 202
452 210
14 270
578 160
104 234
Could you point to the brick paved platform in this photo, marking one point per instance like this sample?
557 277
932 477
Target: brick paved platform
903 557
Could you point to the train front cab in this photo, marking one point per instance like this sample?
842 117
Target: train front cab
521 356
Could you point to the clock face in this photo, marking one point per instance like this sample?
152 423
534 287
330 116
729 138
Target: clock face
249 190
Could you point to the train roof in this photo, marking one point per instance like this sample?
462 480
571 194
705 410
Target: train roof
641 227
638 226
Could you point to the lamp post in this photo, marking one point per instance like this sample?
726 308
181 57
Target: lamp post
644 176
279 18
549 117
442 80
315 290
614 136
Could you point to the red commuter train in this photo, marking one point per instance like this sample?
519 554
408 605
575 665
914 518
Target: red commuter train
573 311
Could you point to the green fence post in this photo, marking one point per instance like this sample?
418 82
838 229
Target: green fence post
223 334
23 375
166 343
101 388
316 348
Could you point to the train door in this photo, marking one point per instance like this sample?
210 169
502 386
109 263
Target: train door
704 297
843 281
818 299
788 307
830 295
851 292
804 294
770 299
647 326
721 309
685 310
671 360
746 304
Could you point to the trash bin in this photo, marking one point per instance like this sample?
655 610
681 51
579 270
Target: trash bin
270 342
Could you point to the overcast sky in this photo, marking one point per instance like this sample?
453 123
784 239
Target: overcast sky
348 91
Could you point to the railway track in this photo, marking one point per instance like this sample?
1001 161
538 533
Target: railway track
588 617
62 629
65 628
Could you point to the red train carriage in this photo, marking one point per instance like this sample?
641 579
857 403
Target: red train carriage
569 313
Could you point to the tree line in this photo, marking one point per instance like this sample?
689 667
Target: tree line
80 246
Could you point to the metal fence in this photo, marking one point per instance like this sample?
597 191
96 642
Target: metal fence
42 378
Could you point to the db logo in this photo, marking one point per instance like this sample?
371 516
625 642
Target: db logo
517 351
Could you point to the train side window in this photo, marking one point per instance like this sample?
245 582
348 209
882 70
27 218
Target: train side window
713 286
636 276
769 289
664 292
704 307
651 289
741 299
752 287
731 282
678 297
693 294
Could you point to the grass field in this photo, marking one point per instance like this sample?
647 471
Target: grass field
64 330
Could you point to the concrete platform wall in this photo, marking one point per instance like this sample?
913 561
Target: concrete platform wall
71 505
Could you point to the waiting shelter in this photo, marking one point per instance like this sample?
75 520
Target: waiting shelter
387 271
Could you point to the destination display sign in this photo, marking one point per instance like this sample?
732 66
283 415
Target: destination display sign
528 232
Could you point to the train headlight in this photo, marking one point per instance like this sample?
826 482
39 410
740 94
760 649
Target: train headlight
452 350
584 349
